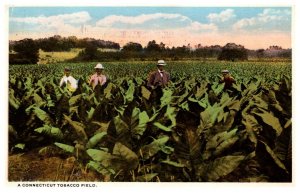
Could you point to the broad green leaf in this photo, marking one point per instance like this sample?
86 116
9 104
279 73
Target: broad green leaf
252 126
98 155
145 92
129 93
108 91
271 120
166 98
146 177
172 163
221 167
38 100
151 149
221 142
126 154
95 139
270 162
74 99
67 148
90 113
15 103
51 131
42 115
78 127
100 168
143 120
162 127
20 146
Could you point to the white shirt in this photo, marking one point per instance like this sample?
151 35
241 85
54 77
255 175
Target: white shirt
72 81
161 73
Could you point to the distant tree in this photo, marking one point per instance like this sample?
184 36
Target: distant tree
260 53
90 52
153 47
233 52
132 47
27 52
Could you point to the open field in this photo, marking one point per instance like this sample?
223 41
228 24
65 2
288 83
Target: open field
191 131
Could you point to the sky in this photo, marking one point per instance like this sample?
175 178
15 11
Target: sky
252 27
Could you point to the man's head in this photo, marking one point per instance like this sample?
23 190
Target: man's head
99 68
67 71
225 73
161 64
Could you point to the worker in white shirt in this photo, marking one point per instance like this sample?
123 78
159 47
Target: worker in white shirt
68 80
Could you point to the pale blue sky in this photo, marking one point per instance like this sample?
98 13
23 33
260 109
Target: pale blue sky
198 23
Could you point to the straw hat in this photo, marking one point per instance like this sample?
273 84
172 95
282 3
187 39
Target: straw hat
225 71
161 63
99 66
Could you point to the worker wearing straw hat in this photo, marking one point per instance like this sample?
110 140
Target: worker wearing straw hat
98 77
227 79
159 78
68 81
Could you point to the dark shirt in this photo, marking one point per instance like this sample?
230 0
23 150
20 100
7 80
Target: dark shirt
228 82
158 78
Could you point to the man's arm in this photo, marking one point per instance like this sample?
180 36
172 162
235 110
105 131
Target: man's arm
61 82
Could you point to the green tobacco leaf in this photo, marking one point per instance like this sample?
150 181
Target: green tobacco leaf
90 114
218 88
151 149
51 131
129 93
172 163
108 91
162 127
143 120
95 139
271 120
42 115
166 98
99 155
74 99
78 127
38 100
20 146
100 168
221 142
252 126
146 177
145 92
67 148
220 167
15 103
268 160
126 154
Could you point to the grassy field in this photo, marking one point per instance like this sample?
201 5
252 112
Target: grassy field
55 57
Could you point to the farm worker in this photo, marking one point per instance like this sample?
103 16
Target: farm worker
98 77
159 77
68 80
227 79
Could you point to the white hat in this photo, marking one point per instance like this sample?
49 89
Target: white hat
161 63
225 71
99 66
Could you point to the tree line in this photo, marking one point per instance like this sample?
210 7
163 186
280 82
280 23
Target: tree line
26 51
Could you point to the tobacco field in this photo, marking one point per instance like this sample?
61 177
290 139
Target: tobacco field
191 131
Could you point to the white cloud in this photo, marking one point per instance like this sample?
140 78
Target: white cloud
269 18
222 16
73 18
196 26
140 19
